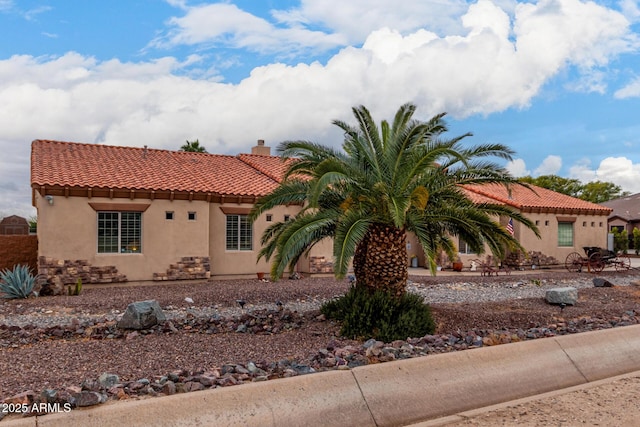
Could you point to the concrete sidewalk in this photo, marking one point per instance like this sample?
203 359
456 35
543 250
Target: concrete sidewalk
389 394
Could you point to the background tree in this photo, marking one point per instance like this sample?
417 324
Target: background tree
595 191
620 240
33 224
570 187
193 146
387 181
599 191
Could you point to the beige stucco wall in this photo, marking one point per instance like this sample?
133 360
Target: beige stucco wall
67 230
588 230
240 263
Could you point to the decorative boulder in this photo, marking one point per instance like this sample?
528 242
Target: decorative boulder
107 380
52 287
142 315
568 296
599 282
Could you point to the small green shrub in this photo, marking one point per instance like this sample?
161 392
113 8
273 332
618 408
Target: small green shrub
620 240
76 289
17 283
636 240
379 315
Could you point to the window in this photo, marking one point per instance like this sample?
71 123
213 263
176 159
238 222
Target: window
119 232
584 223
565 234
269 217
191 216
239 233
546 223
168 215
464 248
287 217
537 222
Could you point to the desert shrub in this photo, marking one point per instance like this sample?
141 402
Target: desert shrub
380 315
17 283
636 240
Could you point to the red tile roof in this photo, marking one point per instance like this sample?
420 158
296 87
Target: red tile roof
534 199
69 164
273 167
102 166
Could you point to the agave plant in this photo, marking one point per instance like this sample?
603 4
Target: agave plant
17 283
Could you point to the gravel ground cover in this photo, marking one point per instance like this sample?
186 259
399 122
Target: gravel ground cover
58 348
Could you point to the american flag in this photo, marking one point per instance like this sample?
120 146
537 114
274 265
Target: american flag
510 226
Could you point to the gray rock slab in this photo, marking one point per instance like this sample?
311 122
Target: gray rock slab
599 282
142 315
567 295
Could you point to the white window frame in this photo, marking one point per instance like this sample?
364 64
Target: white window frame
131 244
241 238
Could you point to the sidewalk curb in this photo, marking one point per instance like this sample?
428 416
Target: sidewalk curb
462 416
390 394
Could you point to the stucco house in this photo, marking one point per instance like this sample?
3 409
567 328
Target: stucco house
566 224
111 214
625 215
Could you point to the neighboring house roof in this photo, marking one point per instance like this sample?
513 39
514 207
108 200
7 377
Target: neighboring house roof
626 208
56 164
534 199
14 224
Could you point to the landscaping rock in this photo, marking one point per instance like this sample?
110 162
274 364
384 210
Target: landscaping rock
108 380
90 398
53 287
567 295
142 315
599 282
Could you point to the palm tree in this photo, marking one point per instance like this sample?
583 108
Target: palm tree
193 146
387 181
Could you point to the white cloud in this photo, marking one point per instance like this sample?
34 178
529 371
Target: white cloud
224 24
405 16
631 9
632 90
517 168
618 170
551 165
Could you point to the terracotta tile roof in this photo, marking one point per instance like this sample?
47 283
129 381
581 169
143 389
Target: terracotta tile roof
272 166
535 199
480 198
69 164
103 166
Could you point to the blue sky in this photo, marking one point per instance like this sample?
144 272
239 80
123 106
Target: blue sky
556 80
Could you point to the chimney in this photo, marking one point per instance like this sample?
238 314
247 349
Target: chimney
261 149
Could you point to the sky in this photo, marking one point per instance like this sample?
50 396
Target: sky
557 81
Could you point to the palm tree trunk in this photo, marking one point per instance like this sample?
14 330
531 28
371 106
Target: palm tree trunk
380 261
